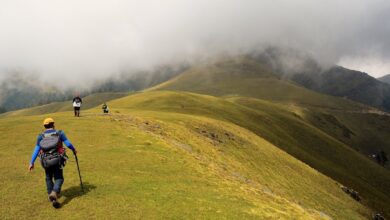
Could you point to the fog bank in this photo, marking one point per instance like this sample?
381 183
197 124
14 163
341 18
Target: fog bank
73 42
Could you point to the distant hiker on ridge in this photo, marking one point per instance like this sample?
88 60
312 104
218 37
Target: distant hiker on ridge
53 158
105 108
77 101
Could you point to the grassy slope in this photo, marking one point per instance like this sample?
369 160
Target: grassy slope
153 164
286 129
365 132
89 102
245 77
183 156
335 116
321 131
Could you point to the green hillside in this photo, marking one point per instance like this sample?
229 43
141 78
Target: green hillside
365 132
246 77
146 163
89 102
285 128
231 140
331 134
361 127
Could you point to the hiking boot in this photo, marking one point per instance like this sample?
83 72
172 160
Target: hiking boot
56 204
53 199
52 196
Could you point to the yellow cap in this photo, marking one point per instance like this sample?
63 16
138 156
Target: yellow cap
48 121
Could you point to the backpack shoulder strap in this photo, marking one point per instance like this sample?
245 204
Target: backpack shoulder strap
56 132
59 132
41 136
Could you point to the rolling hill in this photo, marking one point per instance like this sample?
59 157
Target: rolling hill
246 77
148 163
323 131
227 139
284 128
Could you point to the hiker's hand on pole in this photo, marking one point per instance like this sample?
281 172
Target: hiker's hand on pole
75 152
31 167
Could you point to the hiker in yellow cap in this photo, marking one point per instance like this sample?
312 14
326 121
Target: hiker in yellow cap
53 158
48 121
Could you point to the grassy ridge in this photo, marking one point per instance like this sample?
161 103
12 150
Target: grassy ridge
166 154
320 130
147 164
245 77
286 129
345 120
364 132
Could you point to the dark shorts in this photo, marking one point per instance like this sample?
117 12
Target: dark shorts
76 108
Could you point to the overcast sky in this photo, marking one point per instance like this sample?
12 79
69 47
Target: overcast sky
85 39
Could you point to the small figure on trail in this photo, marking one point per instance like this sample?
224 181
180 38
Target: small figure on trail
105 108
53 158
77 101
378 216
381 158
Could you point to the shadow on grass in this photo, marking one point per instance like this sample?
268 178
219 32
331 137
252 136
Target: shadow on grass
75 191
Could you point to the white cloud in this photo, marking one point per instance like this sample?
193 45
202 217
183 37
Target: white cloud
77 41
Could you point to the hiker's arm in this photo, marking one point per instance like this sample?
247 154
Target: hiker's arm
36 151
67 142
34 156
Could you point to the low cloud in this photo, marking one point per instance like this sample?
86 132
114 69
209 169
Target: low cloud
75 42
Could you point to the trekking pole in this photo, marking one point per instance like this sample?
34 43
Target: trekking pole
78 169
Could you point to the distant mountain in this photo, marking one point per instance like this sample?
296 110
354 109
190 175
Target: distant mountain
335 80
246 77
351 84
128 82
385 78
19 91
